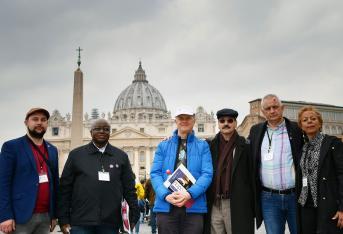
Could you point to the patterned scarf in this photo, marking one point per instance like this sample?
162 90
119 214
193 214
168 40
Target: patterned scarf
225 160
309 167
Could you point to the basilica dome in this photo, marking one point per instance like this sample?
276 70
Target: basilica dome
140 95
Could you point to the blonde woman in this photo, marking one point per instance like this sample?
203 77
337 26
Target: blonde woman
320 178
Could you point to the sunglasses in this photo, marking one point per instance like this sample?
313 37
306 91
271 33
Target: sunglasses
226 120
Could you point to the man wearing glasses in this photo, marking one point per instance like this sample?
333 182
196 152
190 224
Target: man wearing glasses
230 196
95 178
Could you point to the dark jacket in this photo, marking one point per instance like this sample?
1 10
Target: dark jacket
330 185
19 180
256 137
241 197
84 200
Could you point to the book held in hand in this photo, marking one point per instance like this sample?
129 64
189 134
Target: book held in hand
180 181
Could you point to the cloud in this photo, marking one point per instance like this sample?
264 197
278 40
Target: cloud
206 53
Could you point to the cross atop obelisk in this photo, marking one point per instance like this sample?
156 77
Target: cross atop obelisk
79 57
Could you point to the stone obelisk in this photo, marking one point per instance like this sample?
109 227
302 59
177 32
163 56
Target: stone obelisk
77 114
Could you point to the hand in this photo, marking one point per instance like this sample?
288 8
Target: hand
178 198
65 228
53 225
7 226
185 197
174 198
170 198
339 217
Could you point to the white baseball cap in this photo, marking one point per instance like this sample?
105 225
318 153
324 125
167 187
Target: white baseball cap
184 110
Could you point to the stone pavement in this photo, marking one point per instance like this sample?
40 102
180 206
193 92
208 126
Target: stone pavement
145 229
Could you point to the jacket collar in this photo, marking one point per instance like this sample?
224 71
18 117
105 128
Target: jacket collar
190 137
263 129
92 149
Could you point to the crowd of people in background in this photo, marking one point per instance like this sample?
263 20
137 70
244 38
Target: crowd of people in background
284 172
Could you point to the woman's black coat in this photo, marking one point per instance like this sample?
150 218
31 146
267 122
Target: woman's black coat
330 185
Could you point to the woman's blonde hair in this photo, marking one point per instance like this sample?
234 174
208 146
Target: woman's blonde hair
313 109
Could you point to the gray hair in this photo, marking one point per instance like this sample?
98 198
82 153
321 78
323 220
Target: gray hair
268 96
98 121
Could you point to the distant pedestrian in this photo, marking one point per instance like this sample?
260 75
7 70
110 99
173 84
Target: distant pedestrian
141 205
150 195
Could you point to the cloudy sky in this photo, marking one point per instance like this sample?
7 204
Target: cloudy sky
213 53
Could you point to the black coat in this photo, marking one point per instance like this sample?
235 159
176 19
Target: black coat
84 200
330 185
256 137
241 197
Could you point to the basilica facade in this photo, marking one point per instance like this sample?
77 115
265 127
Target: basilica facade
139 121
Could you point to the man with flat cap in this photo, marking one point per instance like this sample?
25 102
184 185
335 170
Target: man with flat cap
230 196
29 179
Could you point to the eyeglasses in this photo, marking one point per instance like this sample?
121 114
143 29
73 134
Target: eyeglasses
226 120
105 129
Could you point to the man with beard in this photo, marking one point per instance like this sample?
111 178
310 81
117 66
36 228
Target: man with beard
29 179
95 179
230 195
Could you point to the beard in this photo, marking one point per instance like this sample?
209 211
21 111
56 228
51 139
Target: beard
33 133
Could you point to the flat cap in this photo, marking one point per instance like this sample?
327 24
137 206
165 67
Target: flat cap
35 110
227 113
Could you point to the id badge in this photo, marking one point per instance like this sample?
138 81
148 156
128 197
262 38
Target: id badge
43 178
305 182
104 176
268 156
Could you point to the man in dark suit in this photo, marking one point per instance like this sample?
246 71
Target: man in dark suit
230 195
276 146
29 179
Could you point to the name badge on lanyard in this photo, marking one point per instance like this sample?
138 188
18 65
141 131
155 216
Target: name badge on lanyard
104 175
305 182
268 156
43 178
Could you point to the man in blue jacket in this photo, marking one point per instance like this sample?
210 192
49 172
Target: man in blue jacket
29 179
186 149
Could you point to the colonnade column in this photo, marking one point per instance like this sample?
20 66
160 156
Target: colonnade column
136 163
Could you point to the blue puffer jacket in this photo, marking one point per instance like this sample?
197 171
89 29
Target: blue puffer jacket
199 163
